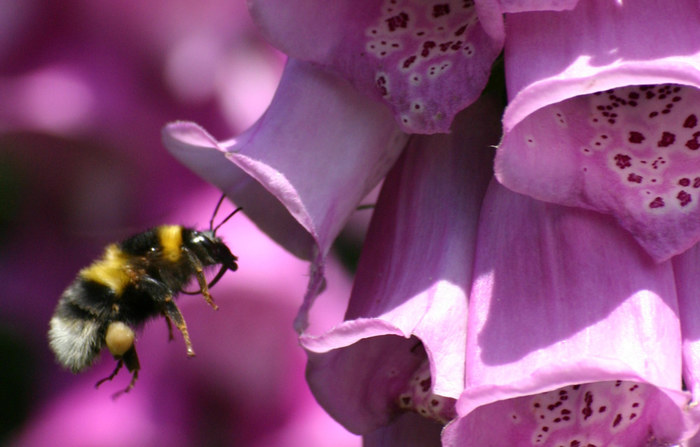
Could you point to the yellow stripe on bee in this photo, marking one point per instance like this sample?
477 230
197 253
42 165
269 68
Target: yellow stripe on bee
110 271
171 240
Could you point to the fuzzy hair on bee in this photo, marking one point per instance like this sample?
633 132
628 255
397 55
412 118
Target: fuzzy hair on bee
134 281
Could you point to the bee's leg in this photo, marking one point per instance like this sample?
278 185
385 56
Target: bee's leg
172 313
201 279
170 328
111 376
163 297
131 360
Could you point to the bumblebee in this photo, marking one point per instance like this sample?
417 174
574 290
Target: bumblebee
135 280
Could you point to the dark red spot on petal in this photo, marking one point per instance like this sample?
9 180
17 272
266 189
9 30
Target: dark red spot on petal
684 198
444 46
617 420
667 139
693 144
685 181
408 61
623 161
658 202
381 86
397 21
690 122
441 10
427 46
425 384
635 137
634 178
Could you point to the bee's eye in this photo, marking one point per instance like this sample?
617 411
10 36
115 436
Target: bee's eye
119 338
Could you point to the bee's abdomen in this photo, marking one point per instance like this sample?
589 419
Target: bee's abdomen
76 332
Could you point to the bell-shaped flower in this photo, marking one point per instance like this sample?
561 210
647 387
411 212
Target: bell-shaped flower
356 82
602 113
425 61
303 168
402 345
574 334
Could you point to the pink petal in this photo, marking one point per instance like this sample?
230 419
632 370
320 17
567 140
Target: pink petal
425 61
405 287
616 413
301 170
686 267
563 296
491 11
628 151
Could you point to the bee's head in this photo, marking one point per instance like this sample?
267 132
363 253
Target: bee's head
210 249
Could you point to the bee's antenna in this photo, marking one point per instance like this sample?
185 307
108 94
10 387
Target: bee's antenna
213 228
226 219
216 210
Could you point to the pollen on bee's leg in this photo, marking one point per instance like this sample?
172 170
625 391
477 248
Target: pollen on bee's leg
119 338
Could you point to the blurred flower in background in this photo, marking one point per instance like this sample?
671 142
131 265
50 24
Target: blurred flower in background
85 89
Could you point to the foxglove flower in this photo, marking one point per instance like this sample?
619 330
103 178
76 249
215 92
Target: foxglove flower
404 334
603 115
425 60
304 166
550 323
574 334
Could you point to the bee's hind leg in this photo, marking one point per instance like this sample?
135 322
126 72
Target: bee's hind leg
120 363
131 360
